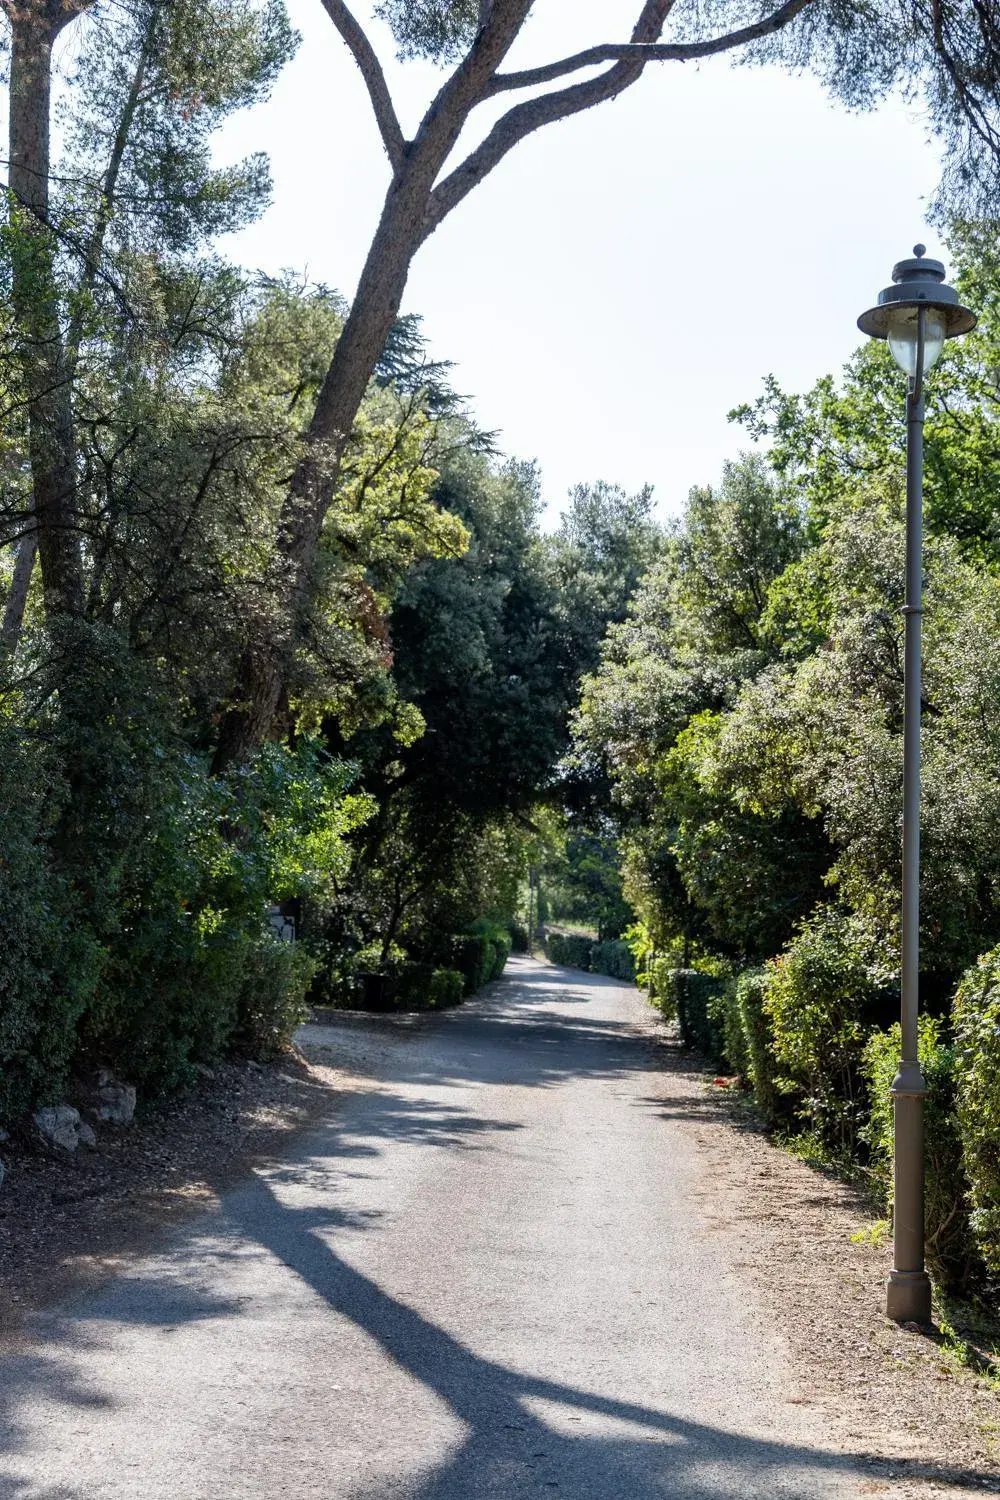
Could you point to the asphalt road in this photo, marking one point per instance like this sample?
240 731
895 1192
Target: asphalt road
491 1274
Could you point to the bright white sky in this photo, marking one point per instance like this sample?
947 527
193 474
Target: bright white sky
625 277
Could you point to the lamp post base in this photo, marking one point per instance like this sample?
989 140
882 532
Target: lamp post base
908 1297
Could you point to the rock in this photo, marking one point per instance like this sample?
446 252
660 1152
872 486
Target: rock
4 1135
3 1173
60 1125
116 1101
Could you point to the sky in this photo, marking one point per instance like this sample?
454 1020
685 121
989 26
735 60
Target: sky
626 277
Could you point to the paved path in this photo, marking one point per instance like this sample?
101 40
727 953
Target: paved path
490 1275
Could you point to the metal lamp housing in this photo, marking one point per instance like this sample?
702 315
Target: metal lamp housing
918 284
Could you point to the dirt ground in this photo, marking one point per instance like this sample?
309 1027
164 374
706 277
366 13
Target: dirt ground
70 1221
817 1258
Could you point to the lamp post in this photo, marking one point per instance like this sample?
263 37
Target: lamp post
916 315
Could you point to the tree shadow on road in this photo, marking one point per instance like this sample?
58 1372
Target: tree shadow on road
526 1435
523 1435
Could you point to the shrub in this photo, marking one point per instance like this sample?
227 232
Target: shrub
951 1251
614 958
761 1064
571 950
481 955
818 993
518 937
662 992
692 997
725 1018
445 988
976 1017
272 997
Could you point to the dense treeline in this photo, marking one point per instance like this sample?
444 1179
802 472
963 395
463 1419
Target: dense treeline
156 401
747 717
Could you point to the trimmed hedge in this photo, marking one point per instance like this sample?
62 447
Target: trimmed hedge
761 1063
661 990
518 937
612 957
481 957
951 1250
976 1015
694 998
571 950
408 985
725 1017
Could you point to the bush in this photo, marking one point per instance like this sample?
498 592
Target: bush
481 955
272 998
518 937
445 988
761 1064
661 990
819 994
692 996
50 961
951 1250
976 1017
571 950
726 1019
614 958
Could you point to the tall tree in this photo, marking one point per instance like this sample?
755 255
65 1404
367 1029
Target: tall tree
951 52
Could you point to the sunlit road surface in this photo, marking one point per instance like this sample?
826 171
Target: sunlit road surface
490 1273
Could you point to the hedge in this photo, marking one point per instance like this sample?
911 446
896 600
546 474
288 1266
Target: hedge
976 1016
571 950
761 1063
612 957
951 1251
819 995
693 998
481 957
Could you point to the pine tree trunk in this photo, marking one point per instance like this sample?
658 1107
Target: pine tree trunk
262 673
36 309
17 599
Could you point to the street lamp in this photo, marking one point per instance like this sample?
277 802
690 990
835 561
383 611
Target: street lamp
916 315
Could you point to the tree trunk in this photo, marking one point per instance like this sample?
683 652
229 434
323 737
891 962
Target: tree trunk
17 599
36 309
262 671
405 223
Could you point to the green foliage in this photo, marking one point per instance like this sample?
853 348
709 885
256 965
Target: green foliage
519 942
976 1017
761 1065
951 1251
821 992
726 1018
445 988
613 957
696 998
481 956
49 965
570 950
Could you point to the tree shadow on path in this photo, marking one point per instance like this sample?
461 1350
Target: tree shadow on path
510 1450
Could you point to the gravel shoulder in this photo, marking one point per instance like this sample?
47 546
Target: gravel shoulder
930 1424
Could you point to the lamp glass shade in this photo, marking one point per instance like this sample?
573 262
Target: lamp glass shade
902 333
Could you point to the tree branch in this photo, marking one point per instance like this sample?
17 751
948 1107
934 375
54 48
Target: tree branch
533 114
647 52
364 55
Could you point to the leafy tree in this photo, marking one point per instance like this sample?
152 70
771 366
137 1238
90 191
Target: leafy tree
694 634
947 53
